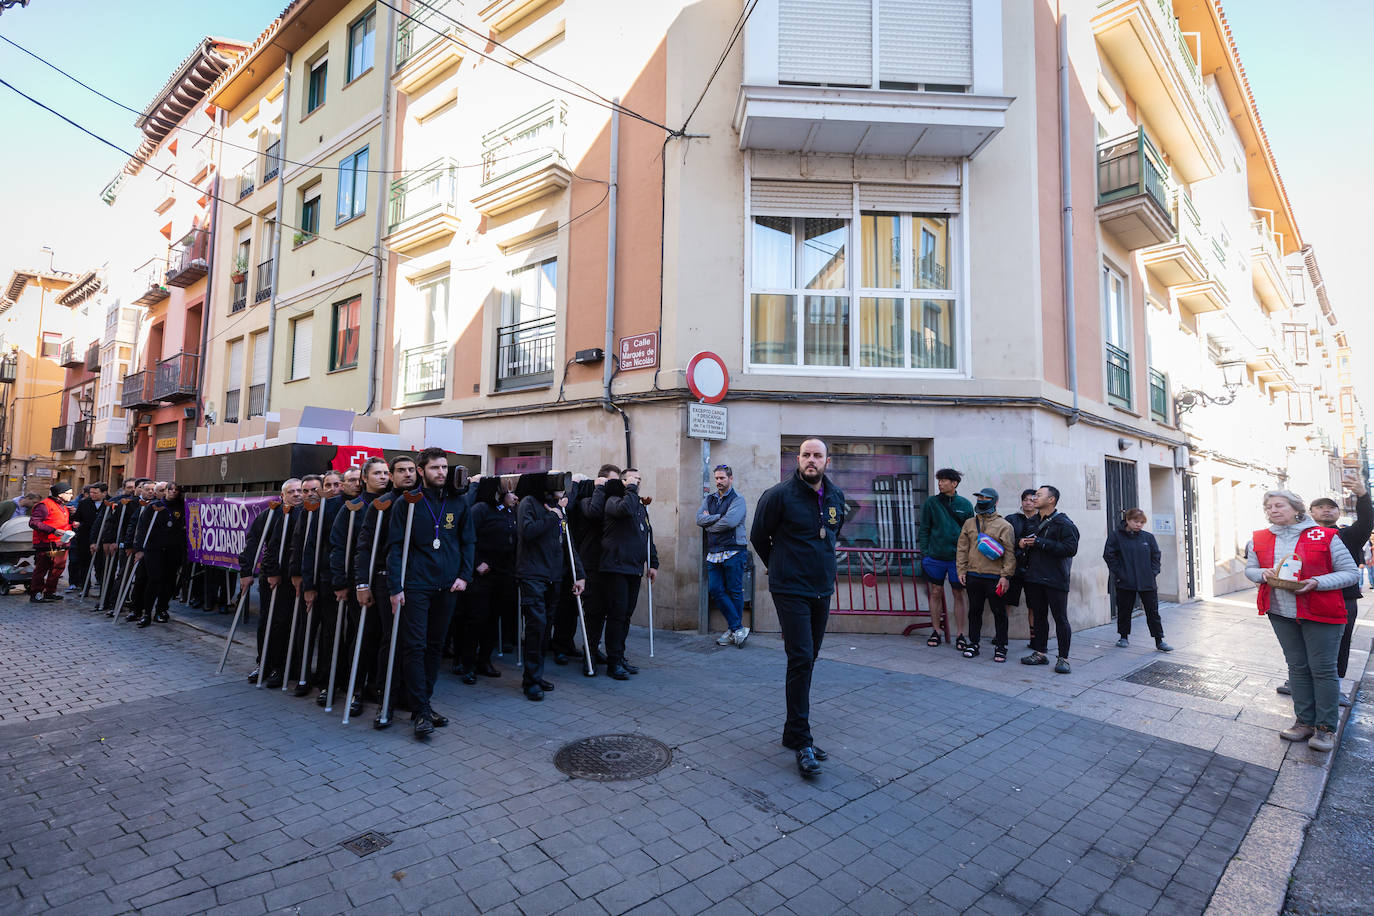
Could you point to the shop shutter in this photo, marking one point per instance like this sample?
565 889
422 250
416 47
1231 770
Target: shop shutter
235 365
302 334
906 198
801 198
925 41
825 42
260 359
166 464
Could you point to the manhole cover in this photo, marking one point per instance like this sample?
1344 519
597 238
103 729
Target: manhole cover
1208 683
367 844
609 757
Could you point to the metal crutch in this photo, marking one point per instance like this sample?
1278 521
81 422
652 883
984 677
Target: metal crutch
310 605
113 562
648 553
243 598
90 570
411 497
309 506
272 603
381 504
581 617
133 567
343 609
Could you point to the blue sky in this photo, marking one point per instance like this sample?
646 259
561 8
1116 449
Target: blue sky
1305 67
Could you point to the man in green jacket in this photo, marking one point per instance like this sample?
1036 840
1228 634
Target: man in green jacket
942 518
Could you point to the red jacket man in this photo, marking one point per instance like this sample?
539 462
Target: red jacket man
52 529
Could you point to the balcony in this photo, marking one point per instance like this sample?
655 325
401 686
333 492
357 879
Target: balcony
110 431
1181 259
92 360
1269 367
1118 376
522 160
61 439
271 162
1266 266
257 400
72 437
69 357
189 261
231 405
264 282
1143 42
176 378
422 207
150 283
239 297
166 194
246 185
425 373
425 48
137 390
1159 396
1132 193
525 353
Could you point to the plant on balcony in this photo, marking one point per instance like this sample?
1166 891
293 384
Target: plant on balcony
300 238
240 271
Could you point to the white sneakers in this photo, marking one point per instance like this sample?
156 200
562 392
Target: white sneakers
733 637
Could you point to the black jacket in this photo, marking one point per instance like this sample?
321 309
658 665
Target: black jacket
110 529
627 538
541 551
133 520
786 535
1049 559
587 517
86 514
363 573
248 557
1021 526
342 542
275 551
1133 558
315 575
428 569
495 530
167 519
1355 536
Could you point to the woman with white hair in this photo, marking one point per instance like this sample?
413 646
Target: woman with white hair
1306 612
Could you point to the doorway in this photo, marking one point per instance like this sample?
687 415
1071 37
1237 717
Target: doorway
1191 548
1122 494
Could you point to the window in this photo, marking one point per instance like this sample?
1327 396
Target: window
271 161
52 345
885 483
1300 405
1295 341
352 186
360 42
1115 327
310 213
234 389
257 392
301 336
343 352
315 85
529 320
434 321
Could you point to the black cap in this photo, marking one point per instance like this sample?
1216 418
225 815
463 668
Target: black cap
59 488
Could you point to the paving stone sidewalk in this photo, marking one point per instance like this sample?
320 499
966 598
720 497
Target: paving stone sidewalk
137 781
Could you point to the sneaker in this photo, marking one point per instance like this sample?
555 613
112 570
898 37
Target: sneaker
1284 689
726 639
739 636
1035 658
1296 732
1061 666
1345 699
1123 643
1322 740
1162 646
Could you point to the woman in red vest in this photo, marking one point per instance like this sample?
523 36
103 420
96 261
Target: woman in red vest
52 529
1308 620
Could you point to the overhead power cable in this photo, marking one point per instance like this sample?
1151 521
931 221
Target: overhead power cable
720 62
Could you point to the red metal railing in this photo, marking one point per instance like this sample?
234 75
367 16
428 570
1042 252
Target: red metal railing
879 582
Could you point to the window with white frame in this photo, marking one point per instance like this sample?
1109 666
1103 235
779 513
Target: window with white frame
360 44
352 186
883 298
433 326
1115 321
302 337
525 340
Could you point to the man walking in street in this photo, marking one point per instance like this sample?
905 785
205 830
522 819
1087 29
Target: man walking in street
942 518
722 515
796 530
627 548
1050 548
1355 537
50 520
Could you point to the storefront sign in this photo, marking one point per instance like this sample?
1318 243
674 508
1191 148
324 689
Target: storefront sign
706 421
639 351
217 527
169 442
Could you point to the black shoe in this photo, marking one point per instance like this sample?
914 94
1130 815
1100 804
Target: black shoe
438 719
588 672
460 669
546 686
820 754
274 681
469 678
355 708
323 699
379 724
617 671
36 598
52 596
253 678
131 616
560 658
807 764
598 658
633 669
145 622
301 690
161 617
489 671
534 692
424 726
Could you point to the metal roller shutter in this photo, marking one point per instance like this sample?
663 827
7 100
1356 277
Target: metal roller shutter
826 41
301 340
260 360
801 198
166 465
925 41
907 198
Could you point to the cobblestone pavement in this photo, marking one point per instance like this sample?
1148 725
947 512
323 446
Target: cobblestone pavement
136 780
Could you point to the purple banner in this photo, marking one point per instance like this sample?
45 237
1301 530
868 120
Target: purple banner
217 527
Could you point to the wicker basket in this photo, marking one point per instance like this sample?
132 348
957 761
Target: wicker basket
1287 584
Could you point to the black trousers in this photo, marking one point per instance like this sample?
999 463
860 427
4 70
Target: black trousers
1352 611
621 593
1125 604
78 560
536 597
1045 602
281 622
802 619
380 622
594 608
160 571
373 646
423 620
564 636
982 590
322 635
486 597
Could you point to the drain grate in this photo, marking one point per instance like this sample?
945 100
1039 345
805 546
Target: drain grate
1208 683
605 758
367 843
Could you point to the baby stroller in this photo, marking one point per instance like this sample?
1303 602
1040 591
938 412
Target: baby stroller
16 554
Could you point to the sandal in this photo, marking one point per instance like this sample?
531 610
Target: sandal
934 639
999 654
962 643
971 650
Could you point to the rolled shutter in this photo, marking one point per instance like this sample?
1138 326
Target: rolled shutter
801 198
302 335
825 42
925 41
166 464
909 198
235 365
260 366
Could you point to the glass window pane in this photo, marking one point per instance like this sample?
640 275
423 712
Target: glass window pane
932 334
774 326
345 188
882 254
823 245
548 286
931 252
360 183
825 332
772 252
882 336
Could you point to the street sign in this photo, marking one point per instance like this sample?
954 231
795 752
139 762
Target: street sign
707 377
639 351
706 421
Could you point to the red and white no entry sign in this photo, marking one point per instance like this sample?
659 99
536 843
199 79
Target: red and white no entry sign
707 377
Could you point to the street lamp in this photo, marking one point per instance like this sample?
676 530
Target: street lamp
86 402
9 367
1232 377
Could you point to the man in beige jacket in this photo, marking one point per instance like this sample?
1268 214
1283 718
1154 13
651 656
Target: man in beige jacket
985 560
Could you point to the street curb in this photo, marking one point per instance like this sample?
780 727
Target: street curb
1256 879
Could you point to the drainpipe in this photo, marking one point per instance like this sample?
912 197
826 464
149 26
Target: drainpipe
1066 220
380 265
608 367
276 243
205 309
